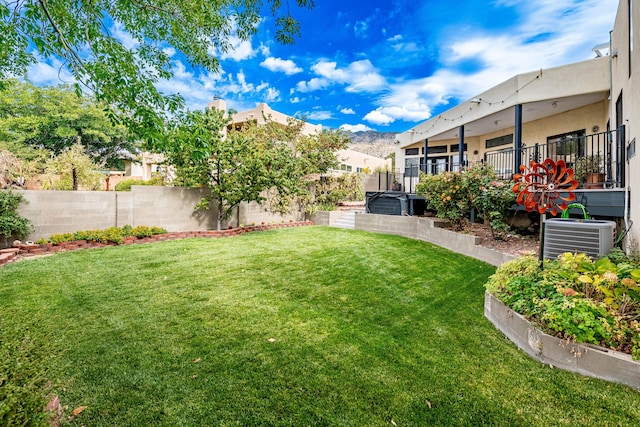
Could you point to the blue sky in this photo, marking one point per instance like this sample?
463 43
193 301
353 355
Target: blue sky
388 65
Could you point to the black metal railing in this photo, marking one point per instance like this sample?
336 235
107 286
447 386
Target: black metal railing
598 161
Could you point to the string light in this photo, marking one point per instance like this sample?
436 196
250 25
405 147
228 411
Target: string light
413 132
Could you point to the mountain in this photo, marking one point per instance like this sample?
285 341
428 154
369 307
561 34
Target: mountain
378 144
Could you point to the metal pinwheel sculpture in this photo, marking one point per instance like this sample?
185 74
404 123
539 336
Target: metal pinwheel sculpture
541 186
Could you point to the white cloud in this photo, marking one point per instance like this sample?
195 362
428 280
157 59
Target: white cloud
359 76
378 117
313 84
169 51
355 128
319 115
48 72
123 36
546 36
272 95
239 51
286 66
347 111
264 50
294 100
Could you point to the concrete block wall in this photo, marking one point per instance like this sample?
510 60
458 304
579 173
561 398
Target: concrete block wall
168 207
172 208
428 230
67 211
326 217
254 213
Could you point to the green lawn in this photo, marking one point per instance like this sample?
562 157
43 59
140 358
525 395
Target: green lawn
302 326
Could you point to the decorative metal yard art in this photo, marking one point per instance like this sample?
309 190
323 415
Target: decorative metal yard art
545 187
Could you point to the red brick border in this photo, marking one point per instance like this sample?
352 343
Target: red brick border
25 250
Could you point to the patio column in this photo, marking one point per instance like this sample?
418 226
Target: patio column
460 147
517 139
425 155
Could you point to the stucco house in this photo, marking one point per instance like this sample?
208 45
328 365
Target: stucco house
572 112
349 160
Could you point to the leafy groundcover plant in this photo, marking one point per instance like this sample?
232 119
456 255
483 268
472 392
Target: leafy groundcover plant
576 297
109 235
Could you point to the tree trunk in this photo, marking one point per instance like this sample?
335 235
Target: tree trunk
74 177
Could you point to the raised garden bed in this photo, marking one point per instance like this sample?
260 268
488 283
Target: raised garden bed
585 359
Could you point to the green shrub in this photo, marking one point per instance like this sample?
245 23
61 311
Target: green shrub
445 195
11 223
62 237
142 231
453 194
491 196
112 234
126 184
575 297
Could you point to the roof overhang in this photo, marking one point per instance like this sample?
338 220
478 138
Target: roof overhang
542 94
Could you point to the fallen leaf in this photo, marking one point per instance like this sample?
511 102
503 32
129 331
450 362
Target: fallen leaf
55 412
53 404
428 404
394 423
271 340
197 360
78 410
194 376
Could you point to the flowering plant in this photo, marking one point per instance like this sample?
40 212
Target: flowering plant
444 193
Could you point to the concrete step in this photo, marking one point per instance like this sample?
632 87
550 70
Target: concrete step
347 219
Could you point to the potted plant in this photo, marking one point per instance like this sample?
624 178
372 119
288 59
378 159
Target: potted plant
590 170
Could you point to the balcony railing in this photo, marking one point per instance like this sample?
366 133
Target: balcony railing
598 161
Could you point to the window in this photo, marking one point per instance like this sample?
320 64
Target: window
438 149
454 148
501 140
411 166
347 168
566 144
411 151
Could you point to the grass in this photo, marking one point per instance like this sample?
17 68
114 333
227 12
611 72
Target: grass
304 326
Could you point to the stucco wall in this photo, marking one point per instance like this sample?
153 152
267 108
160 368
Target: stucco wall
172 208
628 86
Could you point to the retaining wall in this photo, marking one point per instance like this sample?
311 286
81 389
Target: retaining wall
430 230
585 359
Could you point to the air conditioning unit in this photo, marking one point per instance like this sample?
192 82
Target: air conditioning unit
592 237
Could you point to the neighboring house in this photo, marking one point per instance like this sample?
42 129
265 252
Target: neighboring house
572 112
260 114
147 164
350 160
144 167
355 161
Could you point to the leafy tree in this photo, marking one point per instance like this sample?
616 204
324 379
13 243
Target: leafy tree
11 223
228 166
54 118
84 35
243 165
11 170
74 169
